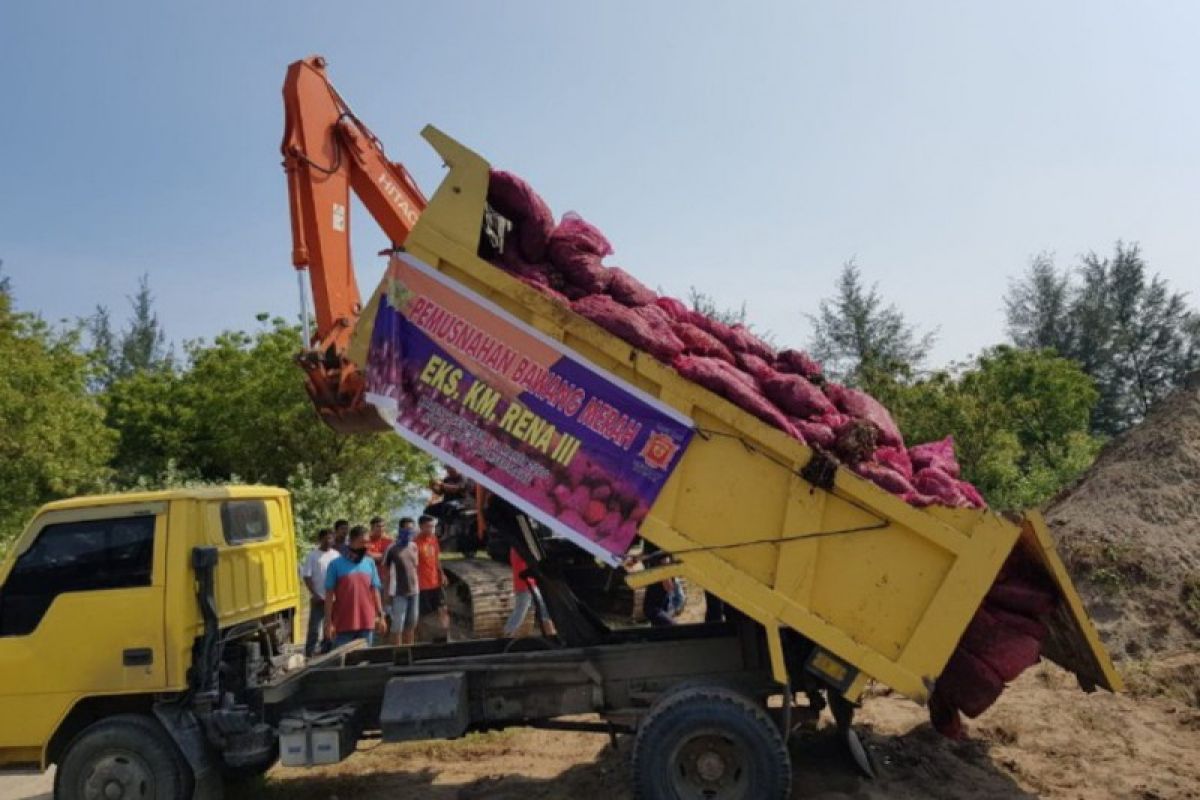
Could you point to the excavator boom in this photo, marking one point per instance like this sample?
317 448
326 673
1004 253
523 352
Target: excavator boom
327 152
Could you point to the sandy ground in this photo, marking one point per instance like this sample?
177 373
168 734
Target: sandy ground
1044 739
27 787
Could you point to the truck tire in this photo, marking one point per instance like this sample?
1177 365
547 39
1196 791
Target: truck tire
713 743
129 757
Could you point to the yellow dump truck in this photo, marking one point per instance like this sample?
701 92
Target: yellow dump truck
884 589
142 637
115 607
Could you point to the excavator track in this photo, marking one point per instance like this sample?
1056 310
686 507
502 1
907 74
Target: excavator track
479 596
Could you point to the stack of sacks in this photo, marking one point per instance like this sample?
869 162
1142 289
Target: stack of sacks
785 389
1003 640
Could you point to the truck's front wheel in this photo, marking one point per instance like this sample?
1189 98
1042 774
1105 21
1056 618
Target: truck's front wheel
709 742
128 757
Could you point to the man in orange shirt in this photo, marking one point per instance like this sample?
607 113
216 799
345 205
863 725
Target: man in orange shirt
431 578
378 542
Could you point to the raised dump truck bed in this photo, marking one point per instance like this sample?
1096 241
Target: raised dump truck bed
882 589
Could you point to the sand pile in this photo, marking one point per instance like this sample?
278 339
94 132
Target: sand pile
1130 532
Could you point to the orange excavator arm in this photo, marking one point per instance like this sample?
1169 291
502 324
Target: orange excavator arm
327 152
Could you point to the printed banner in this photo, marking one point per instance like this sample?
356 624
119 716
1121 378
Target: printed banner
570 444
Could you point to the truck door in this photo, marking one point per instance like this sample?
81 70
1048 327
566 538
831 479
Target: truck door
81 614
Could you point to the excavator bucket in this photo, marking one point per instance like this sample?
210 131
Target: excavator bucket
336 390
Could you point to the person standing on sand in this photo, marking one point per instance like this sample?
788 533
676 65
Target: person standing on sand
431 578
378 542
656 602
316 565
341 534
402 588
525 595
353 602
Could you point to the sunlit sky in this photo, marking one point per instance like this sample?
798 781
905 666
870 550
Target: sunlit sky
746 149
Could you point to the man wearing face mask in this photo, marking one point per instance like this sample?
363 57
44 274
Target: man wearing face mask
401 585
353 606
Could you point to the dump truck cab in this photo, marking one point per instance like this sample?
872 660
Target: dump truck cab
115 607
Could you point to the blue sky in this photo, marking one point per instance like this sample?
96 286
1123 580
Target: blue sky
747 149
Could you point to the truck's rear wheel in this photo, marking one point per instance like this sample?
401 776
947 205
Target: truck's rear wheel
128 757
708 743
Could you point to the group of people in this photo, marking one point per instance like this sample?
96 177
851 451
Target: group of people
364 584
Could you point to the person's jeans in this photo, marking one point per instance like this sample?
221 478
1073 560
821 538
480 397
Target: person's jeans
678 597
406 611
660 618
522 602
345 637
316 628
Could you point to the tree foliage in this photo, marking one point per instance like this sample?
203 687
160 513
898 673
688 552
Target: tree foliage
55 442
141 347
707 305
1129 331
317 504
144 343
860 340
1019 419
238 408
1038 307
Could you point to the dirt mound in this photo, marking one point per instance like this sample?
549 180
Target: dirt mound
1129 531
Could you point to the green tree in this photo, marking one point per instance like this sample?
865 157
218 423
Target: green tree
316 504
102 348
238 408
1019 419
143 345
1038 307
860 340
55 442
1128 330
707 305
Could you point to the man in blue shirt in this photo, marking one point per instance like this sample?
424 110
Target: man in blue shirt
353 605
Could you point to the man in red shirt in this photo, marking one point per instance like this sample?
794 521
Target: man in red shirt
378 542
525 594
431 578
